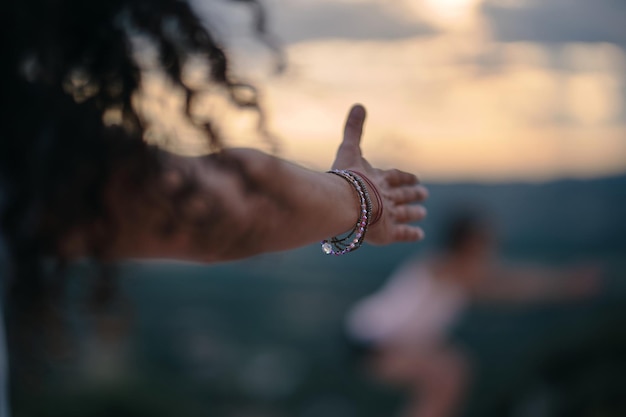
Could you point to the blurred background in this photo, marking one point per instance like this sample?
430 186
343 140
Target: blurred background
514 106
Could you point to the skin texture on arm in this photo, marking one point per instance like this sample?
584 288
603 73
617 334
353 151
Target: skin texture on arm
275 205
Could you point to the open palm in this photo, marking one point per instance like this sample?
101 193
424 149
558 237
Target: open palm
399 190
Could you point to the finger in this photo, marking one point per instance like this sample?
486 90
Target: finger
395 177
353 130
408 194
406 233
407 214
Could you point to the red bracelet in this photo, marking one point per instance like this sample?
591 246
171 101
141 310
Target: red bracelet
379 199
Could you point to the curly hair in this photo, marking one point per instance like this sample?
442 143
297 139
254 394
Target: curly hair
67 64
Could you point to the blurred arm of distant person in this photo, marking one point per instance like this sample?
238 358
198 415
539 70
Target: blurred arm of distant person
537 284
267 205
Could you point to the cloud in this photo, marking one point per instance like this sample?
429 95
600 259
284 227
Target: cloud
558 21
297 21
427 111
290 22
456 104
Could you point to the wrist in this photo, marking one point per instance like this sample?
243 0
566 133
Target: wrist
339 245
347 202
376 198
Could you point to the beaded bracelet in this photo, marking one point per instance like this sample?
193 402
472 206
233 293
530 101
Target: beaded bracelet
379 200
354 239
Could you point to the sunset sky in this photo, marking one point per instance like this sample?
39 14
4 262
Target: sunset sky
455 89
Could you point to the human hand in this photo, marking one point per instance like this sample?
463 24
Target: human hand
398 189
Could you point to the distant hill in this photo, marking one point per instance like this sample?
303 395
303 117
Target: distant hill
578 215
264 337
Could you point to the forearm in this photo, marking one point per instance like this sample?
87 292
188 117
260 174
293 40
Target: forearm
264 204
242 202
292 206
525 284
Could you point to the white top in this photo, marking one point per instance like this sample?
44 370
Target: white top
412 308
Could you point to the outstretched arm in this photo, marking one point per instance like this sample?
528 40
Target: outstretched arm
526 284
269 204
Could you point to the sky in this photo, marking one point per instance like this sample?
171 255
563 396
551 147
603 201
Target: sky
488 90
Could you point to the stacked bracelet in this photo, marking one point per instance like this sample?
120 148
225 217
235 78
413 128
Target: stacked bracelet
379 200
354 239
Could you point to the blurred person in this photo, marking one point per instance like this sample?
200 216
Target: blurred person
404 327
78 180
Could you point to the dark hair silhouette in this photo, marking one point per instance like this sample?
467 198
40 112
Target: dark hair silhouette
67 65
463 226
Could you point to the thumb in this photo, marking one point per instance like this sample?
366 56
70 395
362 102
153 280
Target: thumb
354 129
